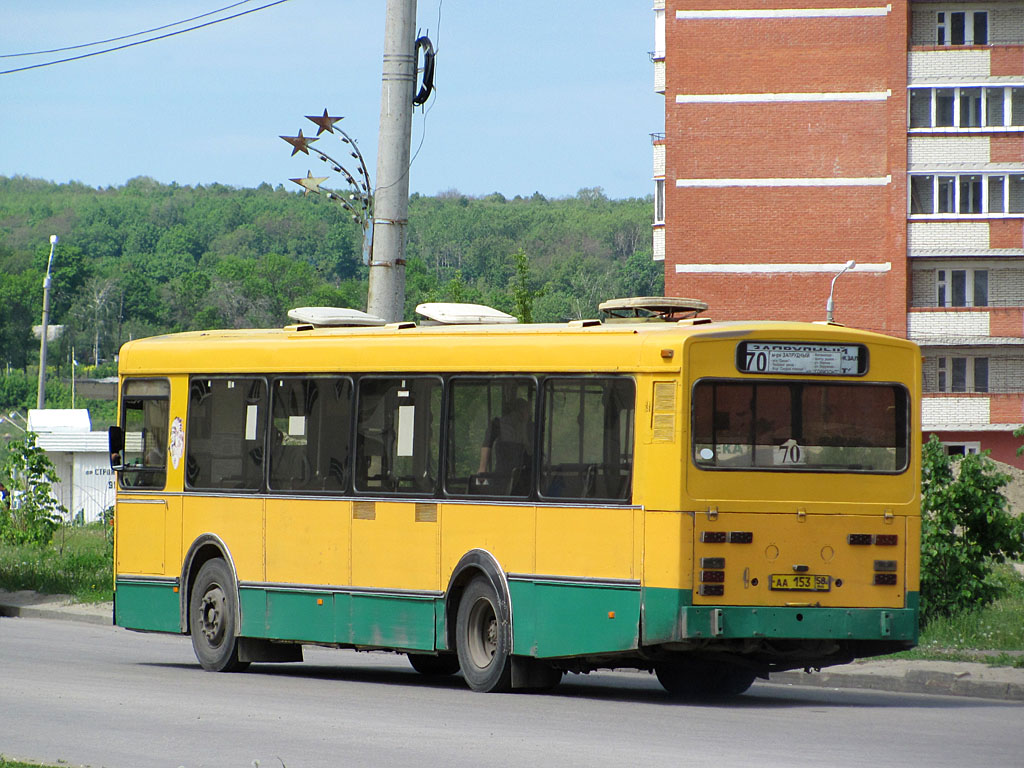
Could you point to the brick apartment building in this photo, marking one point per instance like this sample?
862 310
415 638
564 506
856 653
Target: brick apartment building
801 134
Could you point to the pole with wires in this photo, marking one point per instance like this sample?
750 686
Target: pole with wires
386 296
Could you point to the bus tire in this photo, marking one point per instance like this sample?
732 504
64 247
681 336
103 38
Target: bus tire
701 679
483 639
211 618
432 665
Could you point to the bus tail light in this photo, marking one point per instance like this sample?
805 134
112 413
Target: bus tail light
886 539
885 579
711 590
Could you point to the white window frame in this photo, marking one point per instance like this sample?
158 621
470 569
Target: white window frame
943 23
945 365
933 127
659 201
944 287
956 202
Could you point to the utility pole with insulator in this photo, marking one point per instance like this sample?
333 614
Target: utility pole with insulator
391 198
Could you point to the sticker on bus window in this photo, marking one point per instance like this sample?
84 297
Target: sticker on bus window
789 454
296 426
251 412
177 441
405 430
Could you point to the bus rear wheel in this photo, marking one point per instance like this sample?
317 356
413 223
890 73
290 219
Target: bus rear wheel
211 619
434 666
482 639
702 679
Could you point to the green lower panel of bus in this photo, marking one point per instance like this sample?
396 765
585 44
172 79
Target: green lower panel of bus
668 616
151 605
552 618
381 620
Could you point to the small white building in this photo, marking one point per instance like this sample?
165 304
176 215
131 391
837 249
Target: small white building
81 457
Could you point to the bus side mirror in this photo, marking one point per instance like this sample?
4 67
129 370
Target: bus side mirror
115 441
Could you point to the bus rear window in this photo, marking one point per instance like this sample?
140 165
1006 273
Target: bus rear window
800 426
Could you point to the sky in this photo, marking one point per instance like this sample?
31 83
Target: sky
546 96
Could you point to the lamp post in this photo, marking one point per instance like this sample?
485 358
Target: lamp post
41 397
830 304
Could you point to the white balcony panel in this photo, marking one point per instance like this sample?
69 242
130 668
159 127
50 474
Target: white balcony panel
923 66
961 235
659 161
658 243
659 76
954 410
924 324
939 150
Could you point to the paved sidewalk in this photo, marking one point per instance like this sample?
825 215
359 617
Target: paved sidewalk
943 678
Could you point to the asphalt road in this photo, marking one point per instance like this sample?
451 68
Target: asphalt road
81 694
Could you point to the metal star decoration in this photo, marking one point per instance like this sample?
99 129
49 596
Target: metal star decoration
299 143
310 183
324 123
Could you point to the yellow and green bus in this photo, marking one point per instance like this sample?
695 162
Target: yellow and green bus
712 502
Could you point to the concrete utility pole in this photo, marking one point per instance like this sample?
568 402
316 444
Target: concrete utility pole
41 394
391 198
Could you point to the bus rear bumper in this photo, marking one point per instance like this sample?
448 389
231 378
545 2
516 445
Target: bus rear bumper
810 623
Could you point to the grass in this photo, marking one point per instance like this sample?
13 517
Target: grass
78 562
985 634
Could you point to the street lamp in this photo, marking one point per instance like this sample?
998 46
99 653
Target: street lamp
41 397
830 304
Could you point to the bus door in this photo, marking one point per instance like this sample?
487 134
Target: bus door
308 523
395 582
585 593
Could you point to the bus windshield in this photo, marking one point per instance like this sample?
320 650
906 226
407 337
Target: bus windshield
800 426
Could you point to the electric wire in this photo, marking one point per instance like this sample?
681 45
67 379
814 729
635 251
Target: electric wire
141 42
125 37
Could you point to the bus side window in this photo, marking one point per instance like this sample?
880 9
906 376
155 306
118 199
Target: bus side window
587 442
310 432
398 434
145 414
225 433
491 436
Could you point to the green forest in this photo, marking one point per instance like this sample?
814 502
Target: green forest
147 258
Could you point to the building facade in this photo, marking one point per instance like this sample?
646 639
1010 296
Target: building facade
801 135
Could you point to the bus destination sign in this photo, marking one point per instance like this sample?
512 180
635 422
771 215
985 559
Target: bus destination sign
802 358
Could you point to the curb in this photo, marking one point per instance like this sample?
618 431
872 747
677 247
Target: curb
912 681
61 614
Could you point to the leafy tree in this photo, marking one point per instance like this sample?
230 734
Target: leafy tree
522 293
965 528
30 514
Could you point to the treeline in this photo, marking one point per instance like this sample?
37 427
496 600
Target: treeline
148 258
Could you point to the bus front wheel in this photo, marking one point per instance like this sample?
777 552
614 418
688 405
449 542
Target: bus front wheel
701 679
482 639
211 618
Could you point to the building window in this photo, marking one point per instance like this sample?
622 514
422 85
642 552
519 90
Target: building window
659 201
961 27
967 107
961 374
962 449
968 194
961 288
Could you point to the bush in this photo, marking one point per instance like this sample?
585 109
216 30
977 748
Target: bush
29 514
966 528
